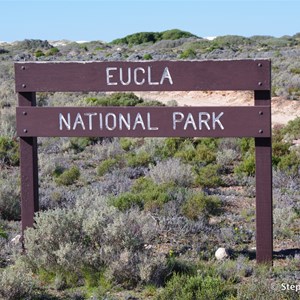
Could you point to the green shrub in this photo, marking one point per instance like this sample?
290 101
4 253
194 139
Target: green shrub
106 166
295 71
152 37
290 164
147 56
280 148
3 233
78 144
39 53
175 34
9 151
144 194
246 167
200 204
292 130
170 147
127 200
196 288
205 153
52 51
126 143
67 177
151 103
209 177
246 145
115 99
187 151
141 158
188 53
199 151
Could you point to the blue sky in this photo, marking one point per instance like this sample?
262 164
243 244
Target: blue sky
108 20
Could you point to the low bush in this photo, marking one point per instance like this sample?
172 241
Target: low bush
106 166
172 171
206 150
199 205
87 239
264 288
151 103
126 143
235 270
196 287
147 56
115 99
3 234
290 164
246 167
39 53
10 208
7 120
140 158
16 283
52 51
67 177
78 144
152 37
188 54
209 176
144 194
227 158
9 151
127 200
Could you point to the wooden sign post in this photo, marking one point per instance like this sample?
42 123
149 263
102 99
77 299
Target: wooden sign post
253 121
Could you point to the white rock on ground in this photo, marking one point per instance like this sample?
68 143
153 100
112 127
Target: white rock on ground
16 240
221 254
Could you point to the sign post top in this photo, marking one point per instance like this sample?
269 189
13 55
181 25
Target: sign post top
143 76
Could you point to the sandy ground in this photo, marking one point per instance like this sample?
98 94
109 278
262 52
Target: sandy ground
282 110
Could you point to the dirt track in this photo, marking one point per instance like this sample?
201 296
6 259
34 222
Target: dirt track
282 110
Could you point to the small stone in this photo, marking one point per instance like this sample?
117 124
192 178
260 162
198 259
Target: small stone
221 254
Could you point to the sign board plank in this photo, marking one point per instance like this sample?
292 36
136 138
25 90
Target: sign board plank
144 121
143 76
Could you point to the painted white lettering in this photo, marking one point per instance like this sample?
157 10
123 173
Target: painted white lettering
100 121
90 116
78 121
124 121
217 120
62 121
204 121
190 121
149 123
177 120
128 76
113 121
150 82
109 76
166 75
135 76
138 121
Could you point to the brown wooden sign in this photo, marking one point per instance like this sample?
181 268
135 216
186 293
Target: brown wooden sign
144 121
143 76
252 121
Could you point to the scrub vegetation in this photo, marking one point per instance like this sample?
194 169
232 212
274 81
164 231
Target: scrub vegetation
141 218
